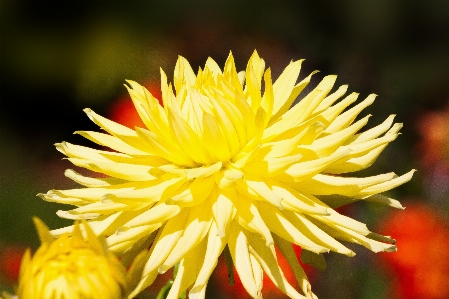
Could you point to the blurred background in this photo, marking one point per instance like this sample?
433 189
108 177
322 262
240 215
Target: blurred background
57 58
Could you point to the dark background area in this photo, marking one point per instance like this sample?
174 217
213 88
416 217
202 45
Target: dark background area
58 57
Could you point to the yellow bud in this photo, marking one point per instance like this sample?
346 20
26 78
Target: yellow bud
70 267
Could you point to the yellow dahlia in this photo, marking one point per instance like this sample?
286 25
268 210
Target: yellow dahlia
227 161
71 267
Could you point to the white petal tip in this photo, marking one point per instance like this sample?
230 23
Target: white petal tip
392 248
162 269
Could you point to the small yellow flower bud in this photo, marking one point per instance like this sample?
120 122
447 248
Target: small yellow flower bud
71 267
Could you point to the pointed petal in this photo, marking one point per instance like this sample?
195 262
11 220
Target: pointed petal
166 241
315 234
91 181
323 184
195 230
160 213
186 138
184 75
223 212
112 142
267 259
303 170
282 227
188 270
215 245
248 216
238 246
43 231
283 88
287 251
388 185
346 118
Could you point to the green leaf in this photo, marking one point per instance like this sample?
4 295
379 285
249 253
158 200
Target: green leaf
313 259
163 293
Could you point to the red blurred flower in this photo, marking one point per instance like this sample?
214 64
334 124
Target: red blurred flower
433 128
433 153
420 267
123 112
10 259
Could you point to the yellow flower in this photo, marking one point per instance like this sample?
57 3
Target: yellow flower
71 268
226 161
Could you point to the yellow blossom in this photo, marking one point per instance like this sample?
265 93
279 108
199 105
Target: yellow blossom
71 267
230 163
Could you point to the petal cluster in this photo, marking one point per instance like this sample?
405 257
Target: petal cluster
71 267
229 163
